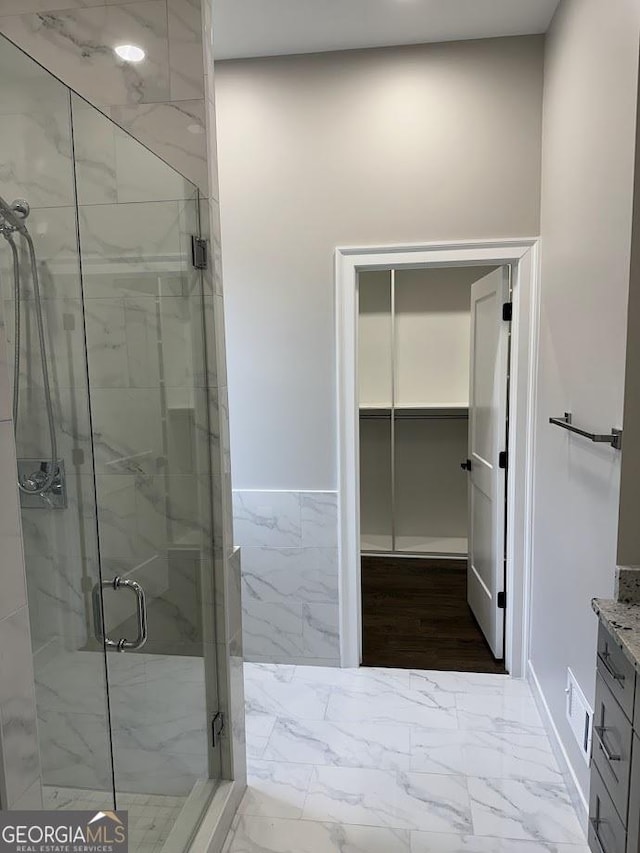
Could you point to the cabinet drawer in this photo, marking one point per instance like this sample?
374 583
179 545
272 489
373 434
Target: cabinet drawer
616 670
612 739
633 835
606 832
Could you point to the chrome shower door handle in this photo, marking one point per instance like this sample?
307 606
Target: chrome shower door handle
121 645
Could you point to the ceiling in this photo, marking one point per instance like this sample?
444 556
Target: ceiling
246 28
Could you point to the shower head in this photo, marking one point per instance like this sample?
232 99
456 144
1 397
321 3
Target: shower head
14 214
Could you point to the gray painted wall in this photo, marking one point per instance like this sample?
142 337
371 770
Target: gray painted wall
422 143
591 75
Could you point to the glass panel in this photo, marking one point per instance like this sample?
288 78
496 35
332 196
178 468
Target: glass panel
145 310
60 537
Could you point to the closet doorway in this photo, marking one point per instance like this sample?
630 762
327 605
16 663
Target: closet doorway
433 379
436 351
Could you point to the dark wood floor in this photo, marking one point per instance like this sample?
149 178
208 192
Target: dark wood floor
415 615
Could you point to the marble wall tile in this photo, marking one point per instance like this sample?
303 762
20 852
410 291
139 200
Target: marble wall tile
280 574
173 130
273 631
131 445
267 519
290 552
319 512
13 583
5 383
64 341
18 728
320 631
75 748
54 234
186 59
77 44
57 603
14 7
37 154
122 242
95 154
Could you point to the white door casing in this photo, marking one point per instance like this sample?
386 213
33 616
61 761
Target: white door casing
523 256
487 439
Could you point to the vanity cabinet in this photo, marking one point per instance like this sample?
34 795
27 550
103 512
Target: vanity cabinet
614 802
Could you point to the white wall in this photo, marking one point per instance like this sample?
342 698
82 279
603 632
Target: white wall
587 182
360 147
628 528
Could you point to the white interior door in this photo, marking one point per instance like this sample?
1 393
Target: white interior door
487 438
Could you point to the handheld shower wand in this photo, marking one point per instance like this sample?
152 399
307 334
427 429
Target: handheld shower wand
12 221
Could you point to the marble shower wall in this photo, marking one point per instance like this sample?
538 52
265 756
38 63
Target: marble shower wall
167 103
289 543
20 774
160 101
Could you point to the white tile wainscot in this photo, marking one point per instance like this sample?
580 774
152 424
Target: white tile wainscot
289 544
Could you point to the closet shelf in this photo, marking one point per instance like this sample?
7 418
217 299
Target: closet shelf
416 413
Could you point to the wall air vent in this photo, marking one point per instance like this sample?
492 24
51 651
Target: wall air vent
579 715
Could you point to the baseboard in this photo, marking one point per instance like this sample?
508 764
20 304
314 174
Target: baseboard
566 768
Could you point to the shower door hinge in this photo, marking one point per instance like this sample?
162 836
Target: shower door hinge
502 600
507 311
217 728
199 253
503 459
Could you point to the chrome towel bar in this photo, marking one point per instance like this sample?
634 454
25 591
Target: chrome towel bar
614 438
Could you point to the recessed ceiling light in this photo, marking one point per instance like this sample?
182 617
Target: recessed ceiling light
130 52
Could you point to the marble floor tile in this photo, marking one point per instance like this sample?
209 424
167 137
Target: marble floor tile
515 714
477 683
282 699
268 835
268 672
393 705
376 760
435 842
384 798
275 789
525 810
347 744
493 755
365 679
259 725
256 746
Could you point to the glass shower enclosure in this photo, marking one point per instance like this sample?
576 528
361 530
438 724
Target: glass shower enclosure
111 332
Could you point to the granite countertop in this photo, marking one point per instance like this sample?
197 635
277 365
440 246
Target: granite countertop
623 621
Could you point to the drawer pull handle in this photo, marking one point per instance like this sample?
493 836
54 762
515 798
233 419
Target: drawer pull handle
594 826
600 730
617 676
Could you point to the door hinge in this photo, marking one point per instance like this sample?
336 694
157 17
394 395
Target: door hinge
199 253
503 459
502 600
507 311
217 728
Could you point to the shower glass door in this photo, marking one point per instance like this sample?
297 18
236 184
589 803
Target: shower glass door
119 551
144 309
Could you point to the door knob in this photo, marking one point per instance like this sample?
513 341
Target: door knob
466 465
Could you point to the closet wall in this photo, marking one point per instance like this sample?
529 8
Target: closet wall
414 331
